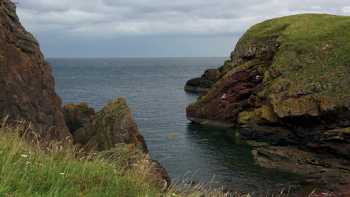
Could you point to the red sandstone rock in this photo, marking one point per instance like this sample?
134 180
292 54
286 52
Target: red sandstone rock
26 81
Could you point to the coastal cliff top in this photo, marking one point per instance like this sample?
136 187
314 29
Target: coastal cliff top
312 49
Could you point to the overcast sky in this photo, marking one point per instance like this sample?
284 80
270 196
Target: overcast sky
154 28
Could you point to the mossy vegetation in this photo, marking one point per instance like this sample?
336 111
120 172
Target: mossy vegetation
313 54
259 115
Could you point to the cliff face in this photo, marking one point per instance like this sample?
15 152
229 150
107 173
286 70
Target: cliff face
287 83
26 82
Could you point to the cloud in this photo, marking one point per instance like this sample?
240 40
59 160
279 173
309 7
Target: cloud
121 17
154 27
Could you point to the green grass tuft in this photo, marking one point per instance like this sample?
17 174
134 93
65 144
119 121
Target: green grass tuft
27 170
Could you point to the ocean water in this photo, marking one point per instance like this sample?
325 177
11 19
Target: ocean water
153 88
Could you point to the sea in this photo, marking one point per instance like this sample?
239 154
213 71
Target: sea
154 89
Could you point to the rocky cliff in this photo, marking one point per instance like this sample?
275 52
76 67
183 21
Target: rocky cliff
112 125
288 84
28 94
113 130
26 82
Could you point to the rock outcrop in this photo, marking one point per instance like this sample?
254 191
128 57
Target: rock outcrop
112 125
288 84
202 85
77 115
113 130
26 81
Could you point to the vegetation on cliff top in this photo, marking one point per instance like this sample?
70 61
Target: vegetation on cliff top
303 61
313 54
30 170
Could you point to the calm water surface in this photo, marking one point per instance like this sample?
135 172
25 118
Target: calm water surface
154 90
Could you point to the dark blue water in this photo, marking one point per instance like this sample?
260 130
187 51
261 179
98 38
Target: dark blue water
154 90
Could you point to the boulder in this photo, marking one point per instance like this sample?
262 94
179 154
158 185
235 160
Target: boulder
26 81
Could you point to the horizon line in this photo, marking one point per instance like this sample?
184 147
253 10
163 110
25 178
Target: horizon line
136 57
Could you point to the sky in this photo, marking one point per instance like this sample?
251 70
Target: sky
154 28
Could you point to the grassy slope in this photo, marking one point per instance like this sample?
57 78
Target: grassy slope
314 52
30 171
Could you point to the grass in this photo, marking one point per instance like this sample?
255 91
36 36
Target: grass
26 169
313 51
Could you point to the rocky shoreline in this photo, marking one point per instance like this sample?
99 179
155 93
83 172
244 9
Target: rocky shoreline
287 86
